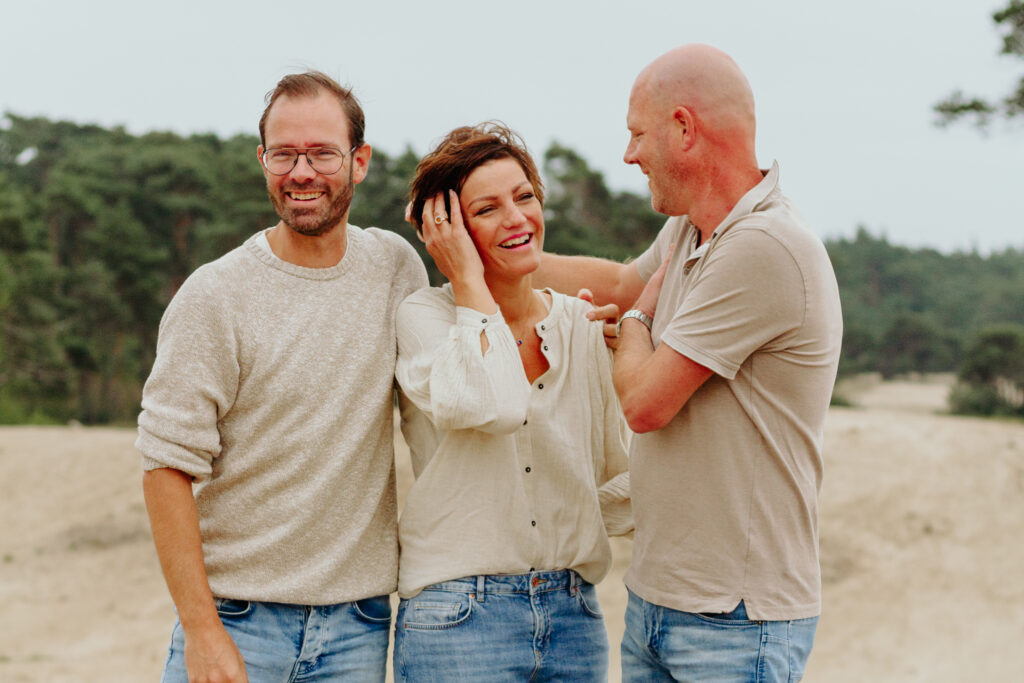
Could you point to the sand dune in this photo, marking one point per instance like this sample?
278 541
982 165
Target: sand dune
921 526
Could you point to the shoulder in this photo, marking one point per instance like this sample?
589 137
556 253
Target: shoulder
572 313
388 247
222 277
778 231
384 241
436 299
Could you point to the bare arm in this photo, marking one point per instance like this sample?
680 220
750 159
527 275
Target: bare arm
653 385
210 654
609 281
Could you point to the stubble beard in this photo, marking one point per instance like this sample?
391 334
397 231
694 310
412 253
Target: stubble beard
314 221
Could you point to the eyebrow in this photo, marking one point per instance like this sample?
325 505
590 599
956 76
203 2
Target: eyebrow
494 197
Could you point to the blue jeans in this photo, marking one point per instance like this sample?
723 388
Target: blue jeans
663 644
281 642
541 626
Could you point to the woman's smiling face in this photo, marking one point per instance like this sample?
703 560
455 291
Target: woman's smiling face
504 217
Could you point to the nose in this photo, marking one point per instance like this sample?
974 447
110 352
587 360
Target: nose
514 217
302 171
630 154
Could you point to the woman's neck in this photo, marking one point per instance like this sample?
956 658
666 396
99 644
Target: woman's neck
517 300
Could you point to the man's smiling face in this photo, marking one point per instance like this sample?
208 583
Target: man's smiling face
308 202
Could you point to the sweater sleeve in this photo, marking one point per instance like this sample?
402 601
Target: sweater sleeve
193 382
442 370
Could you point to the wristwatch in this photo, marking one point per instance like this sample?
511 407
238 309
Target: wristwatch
634 313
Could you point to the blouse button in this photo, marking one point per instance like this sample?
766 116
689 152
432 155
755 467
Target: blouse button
545 347
540 386
528 470
484 321
543 328
533 523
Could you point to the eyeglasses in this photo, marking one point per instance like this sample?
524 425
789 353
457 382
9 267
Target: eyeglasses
323 160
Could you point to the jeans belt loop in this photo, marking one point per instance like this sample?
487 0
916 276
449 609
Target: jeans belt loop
480 581
574 582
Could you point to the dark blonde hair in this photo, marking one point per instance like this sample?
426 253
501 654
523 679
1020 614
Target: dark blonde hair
460 153
311 84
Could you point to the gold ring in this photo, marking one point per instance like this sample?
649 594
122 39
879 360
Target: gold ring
439 219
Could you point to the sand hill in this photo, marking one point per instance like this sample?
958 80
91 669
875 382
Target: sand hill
922 523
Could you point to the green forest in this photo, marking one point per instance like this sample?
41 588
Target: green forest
99 227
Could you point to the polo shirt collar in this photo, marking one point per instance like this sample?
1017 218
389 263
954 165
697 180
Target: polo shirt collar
749 202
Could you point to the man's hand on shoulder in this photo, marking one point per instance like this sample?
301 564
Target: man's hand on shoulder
609 313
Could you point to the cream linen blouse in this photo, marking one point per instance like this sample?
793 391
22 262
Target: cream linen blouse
510 476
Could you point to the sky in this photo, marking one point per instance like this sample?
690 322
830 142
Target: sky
844 90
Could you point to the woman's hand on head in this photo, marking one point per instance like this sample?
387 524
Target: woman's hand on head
448 242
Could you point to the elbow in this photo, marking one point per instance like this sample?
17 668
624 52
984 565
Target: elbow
645 418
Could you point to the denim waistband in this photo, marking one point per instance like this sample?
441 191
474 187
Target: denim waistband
531 583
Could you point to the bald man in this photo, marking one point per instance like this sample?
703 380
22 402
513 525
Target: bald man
725 364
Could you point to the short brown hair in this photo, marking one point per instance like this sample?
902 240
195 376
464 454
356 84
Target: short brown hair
460 153
311 84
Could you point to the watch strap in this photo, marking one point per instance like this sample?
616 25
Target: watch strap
637 314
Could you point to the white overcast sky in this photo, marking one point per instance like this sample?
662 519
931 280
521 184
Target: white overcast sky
844 89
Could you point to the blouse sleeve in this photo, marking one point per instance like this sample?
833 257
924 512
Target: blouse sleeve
613 484
443 371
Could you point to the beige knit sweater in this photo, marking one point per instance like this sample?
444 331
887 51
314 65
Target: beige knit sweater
272 387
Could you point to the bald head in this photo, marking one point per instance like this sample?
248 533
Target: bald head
705 80
691 122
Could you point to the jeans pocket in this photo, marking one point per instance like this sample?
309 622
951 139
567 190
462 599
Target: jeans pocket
737 617
435 611
232 609
586 596
376 610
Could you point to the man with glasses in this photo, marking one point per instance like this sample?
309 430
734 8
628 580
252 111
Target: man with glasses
266 424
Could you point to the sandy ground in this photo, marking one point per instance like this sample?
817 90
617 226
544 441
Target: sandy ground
922 541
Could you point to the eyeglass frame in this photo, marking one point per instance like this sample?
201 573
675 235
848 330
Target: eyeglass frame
305 153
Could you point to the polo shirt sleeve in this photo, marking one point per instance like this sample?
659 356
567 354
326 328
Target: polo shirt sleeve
442 370
649 261
748 294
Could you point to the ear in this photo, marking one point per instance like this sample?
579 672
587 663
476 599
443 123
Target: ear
686 127
361 162
259 159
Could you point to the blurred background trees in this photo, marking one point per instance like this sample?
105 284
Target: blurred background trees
98 229
958 106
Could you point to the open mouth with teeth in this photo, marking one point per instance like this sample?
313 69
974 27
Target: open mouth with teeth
305 196
517 241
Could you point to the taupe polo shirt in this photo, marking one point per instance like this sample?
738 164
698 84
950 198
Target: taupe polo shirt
726 496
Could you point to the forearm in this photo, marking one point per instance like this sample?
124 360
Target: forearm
653 385
609 281
442 371
210 654
175 523
632 357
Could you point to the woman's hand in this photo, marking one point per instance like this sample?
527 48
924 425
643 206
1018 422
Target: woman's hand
448 242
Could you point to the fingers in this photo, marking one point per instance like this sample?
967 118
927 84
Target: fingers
608 312
456 217
611 337
433 219
586 295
